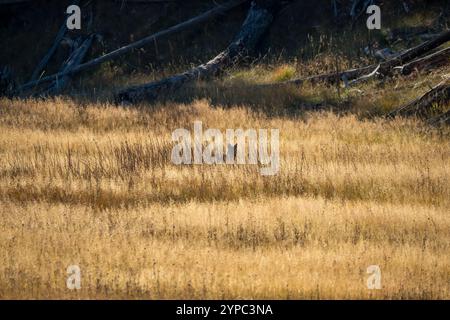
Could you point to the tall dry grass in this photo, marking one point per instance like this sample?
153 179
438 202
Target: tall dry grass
92 185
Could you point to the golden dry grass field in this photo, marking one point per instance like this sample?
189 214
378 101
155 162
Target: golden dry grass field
94 186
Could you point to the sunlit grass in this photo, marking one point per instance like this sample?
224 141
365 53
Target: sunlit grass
94 186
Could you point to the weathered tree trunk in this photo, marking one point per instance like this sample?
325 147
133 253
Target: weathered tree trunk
72 62
45 60
138 44
43 63
428 62
433 60
384 68
418 51
255 25
420 106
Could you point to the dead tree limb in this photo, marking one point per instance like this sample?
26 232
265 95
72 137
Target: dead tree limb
220 9
418 51
45 60
420 106
364 78
385 67
433 60
428 62
43 63
255 25
72 62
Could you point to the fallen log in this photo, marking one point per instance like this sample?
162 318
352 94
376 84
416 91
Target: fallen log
363 78
433 60
421 105
45 60
428 62
418 51
384 68
73 61
255 25
220 9
43 63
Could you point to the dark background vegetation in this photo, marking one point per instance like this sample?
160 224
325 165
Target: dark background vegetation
301 31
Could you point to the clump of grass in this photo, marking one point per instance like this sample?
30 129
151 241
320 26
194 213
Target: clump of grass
282 73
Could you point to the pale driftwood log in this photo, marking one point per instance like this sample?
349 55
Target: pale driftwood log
363 78
220 9
385 67
255 25
72 62
430 61
421 105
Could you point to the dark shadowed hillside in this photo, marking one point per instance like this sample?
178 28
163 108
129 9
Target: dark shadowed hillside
301 30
